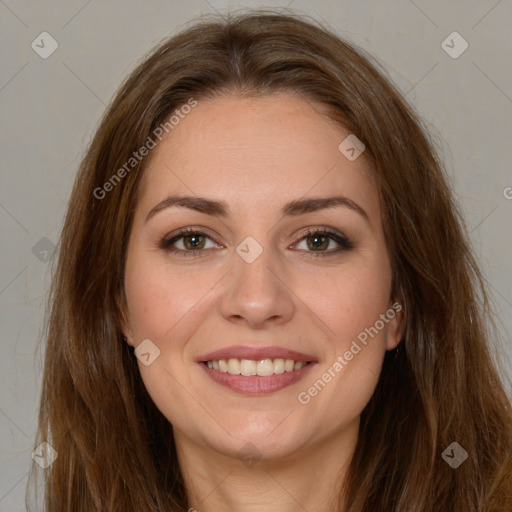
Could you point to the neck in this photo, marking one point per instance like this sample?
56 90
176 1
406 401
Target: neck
310 478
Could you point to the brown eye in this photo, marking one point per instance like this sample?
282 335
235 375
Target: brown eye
188 242
318 241
323 242
195 241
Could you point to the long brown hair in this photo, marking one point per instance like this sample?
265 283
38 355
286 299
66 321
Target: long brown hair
115 448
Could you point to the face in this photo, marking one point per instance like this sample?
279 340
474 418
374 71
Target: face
284 258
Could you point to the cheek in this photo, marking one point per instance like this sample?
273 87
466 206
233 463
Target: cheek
348 300
159 300
351 304
167 308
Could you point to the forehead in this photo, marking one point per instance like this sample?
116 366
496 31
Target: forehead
247 150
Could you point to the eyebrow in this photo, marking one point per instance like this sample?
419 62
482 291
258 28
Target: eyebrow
221 208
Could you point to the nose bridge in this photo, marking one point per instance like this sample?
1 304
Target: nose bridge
253 279
255 292
254 276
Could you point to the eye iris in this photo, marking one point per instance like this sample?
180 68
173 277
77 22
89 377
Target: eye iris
317 241
195 241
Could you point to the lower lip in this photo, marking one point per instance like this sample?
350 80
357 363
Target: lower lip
256 385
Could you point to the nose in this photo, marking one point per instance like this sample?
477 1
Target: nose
257 294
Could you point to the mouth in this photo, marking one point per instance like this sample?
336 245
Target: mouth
256 371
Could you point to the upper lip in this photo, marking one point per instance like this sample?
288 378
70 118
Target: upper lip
255 353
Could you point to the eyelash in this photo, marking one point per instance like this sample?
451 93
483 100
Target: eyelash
343 241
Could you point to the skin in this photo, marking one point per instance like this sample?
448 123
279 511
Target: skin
257 154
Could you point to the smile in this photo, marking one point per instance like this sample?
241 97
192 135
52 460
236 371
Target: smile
260 377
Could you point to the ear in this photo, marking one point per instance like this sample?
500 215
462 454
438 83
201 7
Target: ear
396 325
123 318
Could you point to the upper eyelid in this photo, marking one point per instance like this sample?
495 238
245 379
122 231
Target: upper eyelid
187 231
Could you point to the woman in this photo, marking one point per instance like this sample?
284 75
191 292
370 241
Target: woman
265 298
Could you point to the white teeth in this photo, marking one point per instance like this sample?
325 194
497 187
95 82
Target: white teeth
279 365
248 367
234 366
265 367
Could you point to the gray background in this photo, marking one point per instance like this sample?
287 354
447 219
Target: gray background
50 108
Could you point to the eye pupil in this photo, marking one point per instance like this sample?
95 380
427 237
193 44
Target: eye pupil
195 241
318 241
